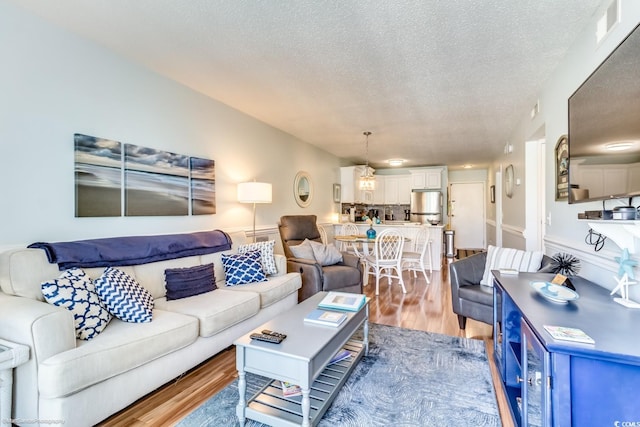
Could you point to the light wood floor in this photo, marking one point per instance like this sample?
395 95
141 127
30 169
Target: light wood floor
423 307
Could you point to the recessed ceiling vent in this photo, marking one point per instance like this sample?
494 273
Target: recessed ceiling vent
608 20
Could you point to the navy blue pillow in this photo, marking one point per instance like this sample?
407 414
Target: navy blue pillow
189 281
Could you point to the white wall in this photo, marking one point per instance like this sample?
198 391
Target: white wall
54 84
565 233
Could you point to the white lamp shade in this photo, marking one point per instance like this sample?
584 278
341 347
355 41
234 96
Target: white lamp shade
254 192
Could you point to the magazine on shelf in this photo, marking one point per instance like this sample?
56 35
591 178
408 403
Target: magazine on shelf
340 356
569 334
326 318
289 390
343 301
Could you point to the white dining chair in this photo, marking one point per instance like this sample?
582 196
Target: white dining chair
349 229
417 259
386 258
323 234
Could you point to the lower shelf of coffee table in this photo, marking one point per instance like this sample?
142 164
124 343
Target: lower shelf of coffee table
269 405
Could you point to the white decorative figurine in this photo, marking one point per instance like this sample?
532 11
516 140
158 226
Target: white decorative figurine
627 279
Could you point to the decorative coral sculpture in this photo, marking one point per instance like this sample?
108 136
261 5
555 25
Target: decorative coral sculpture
565 264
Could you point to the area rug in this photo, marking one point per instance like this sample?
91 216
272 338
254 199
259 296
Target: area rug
409 378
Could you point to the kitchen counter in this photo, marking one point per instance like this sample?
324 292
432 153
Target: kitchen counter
409 230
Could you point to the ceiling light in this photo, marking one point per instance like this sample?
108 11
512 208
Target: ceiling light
395 162
467 166
619 146
367 180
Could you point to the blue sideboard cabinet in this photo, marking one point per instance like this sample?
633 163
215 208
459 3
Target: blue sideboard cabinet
560 383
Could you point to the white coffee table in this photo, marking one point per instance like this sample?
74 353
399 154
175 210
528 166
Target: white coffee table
300 359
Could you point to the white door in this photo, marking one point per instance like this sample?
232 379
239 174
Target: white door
468 214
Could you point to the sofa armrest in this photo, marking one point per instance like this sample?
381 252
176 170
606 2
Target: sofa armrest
311 275
281 264
45 328
467 271
351 260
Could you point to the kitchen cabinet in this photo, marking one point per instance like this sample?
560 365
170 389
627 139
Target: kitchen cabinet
430 178
550 382
378 193
404 189
397 190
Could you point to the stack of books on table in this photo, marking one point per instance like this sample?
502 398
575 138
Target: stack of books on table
343 301
325 318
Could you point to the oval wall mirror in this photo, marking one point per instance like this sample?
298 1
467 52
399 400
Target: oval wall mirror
303 189
508 181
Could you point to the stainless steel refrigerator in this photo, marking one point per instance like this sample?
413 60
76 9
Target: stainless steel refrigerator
426 206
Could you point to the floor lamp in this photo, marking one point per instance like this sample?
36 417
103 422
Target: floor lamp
254 192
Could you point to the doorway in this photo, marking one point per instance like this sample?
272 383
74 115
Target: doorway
468 214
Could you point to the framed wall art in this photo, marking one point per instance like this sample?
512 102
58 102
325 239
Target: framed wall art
562 168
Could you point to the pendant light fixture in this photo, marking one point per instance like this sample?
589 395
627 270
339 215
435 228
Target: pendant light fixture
367 180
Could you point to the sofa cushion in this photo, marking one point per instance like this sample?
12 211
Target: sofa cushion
266 253
151 276
75 291
124 297
526 261
274 289
240 269
189 281
119 348
217 310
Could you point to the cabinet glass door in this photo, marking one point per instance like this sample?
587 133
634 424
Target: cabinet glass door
536 395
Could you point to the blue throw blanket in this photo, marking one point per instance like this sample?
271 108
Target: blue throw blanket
133 250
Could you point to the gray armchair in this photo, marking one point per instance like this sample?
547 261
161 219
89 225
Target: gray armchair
469 298
345 276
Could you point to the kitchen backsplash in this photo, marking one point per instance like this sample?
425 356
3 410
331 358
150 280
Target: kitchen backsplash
385 212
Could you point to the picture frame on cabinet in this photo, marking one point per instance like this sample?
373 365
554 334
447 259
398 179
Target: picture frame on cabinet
337 193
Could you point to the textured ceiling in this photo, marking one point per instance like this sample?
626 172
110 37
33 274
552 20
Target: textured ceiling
437 82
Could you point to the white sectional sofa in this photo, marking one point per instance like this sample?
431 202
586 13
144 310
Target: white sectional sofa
81 382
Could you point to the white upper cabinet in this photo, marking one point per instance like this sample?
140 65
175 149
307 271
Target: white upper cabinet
404 189
430 178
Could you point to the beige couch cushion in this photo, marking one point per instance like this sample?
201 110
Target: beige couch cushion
119 348
274 289
216 310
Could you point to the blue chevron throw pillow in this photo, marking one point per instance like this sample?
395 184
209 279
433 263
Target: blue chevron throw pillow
75 291
240 269
124 297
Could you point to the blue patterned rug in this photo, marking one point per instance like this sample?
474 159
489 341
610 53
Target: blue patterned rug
409 378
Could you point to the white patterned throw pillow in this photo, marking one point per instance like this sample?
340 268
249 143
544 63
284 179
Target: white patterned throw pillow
241 269
124 297
266 252
75 291
497 258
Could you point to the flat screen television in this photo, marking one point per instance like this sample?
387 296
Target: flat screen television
604 128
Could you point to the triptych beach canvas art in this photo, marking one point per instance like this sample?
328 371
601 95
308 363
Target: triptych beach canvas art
115 179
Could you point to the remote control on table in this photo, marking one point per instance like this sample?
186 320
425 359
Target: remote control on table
266 337
275 334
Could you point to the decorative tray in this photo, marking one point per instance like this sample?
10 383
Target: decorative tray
555 293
